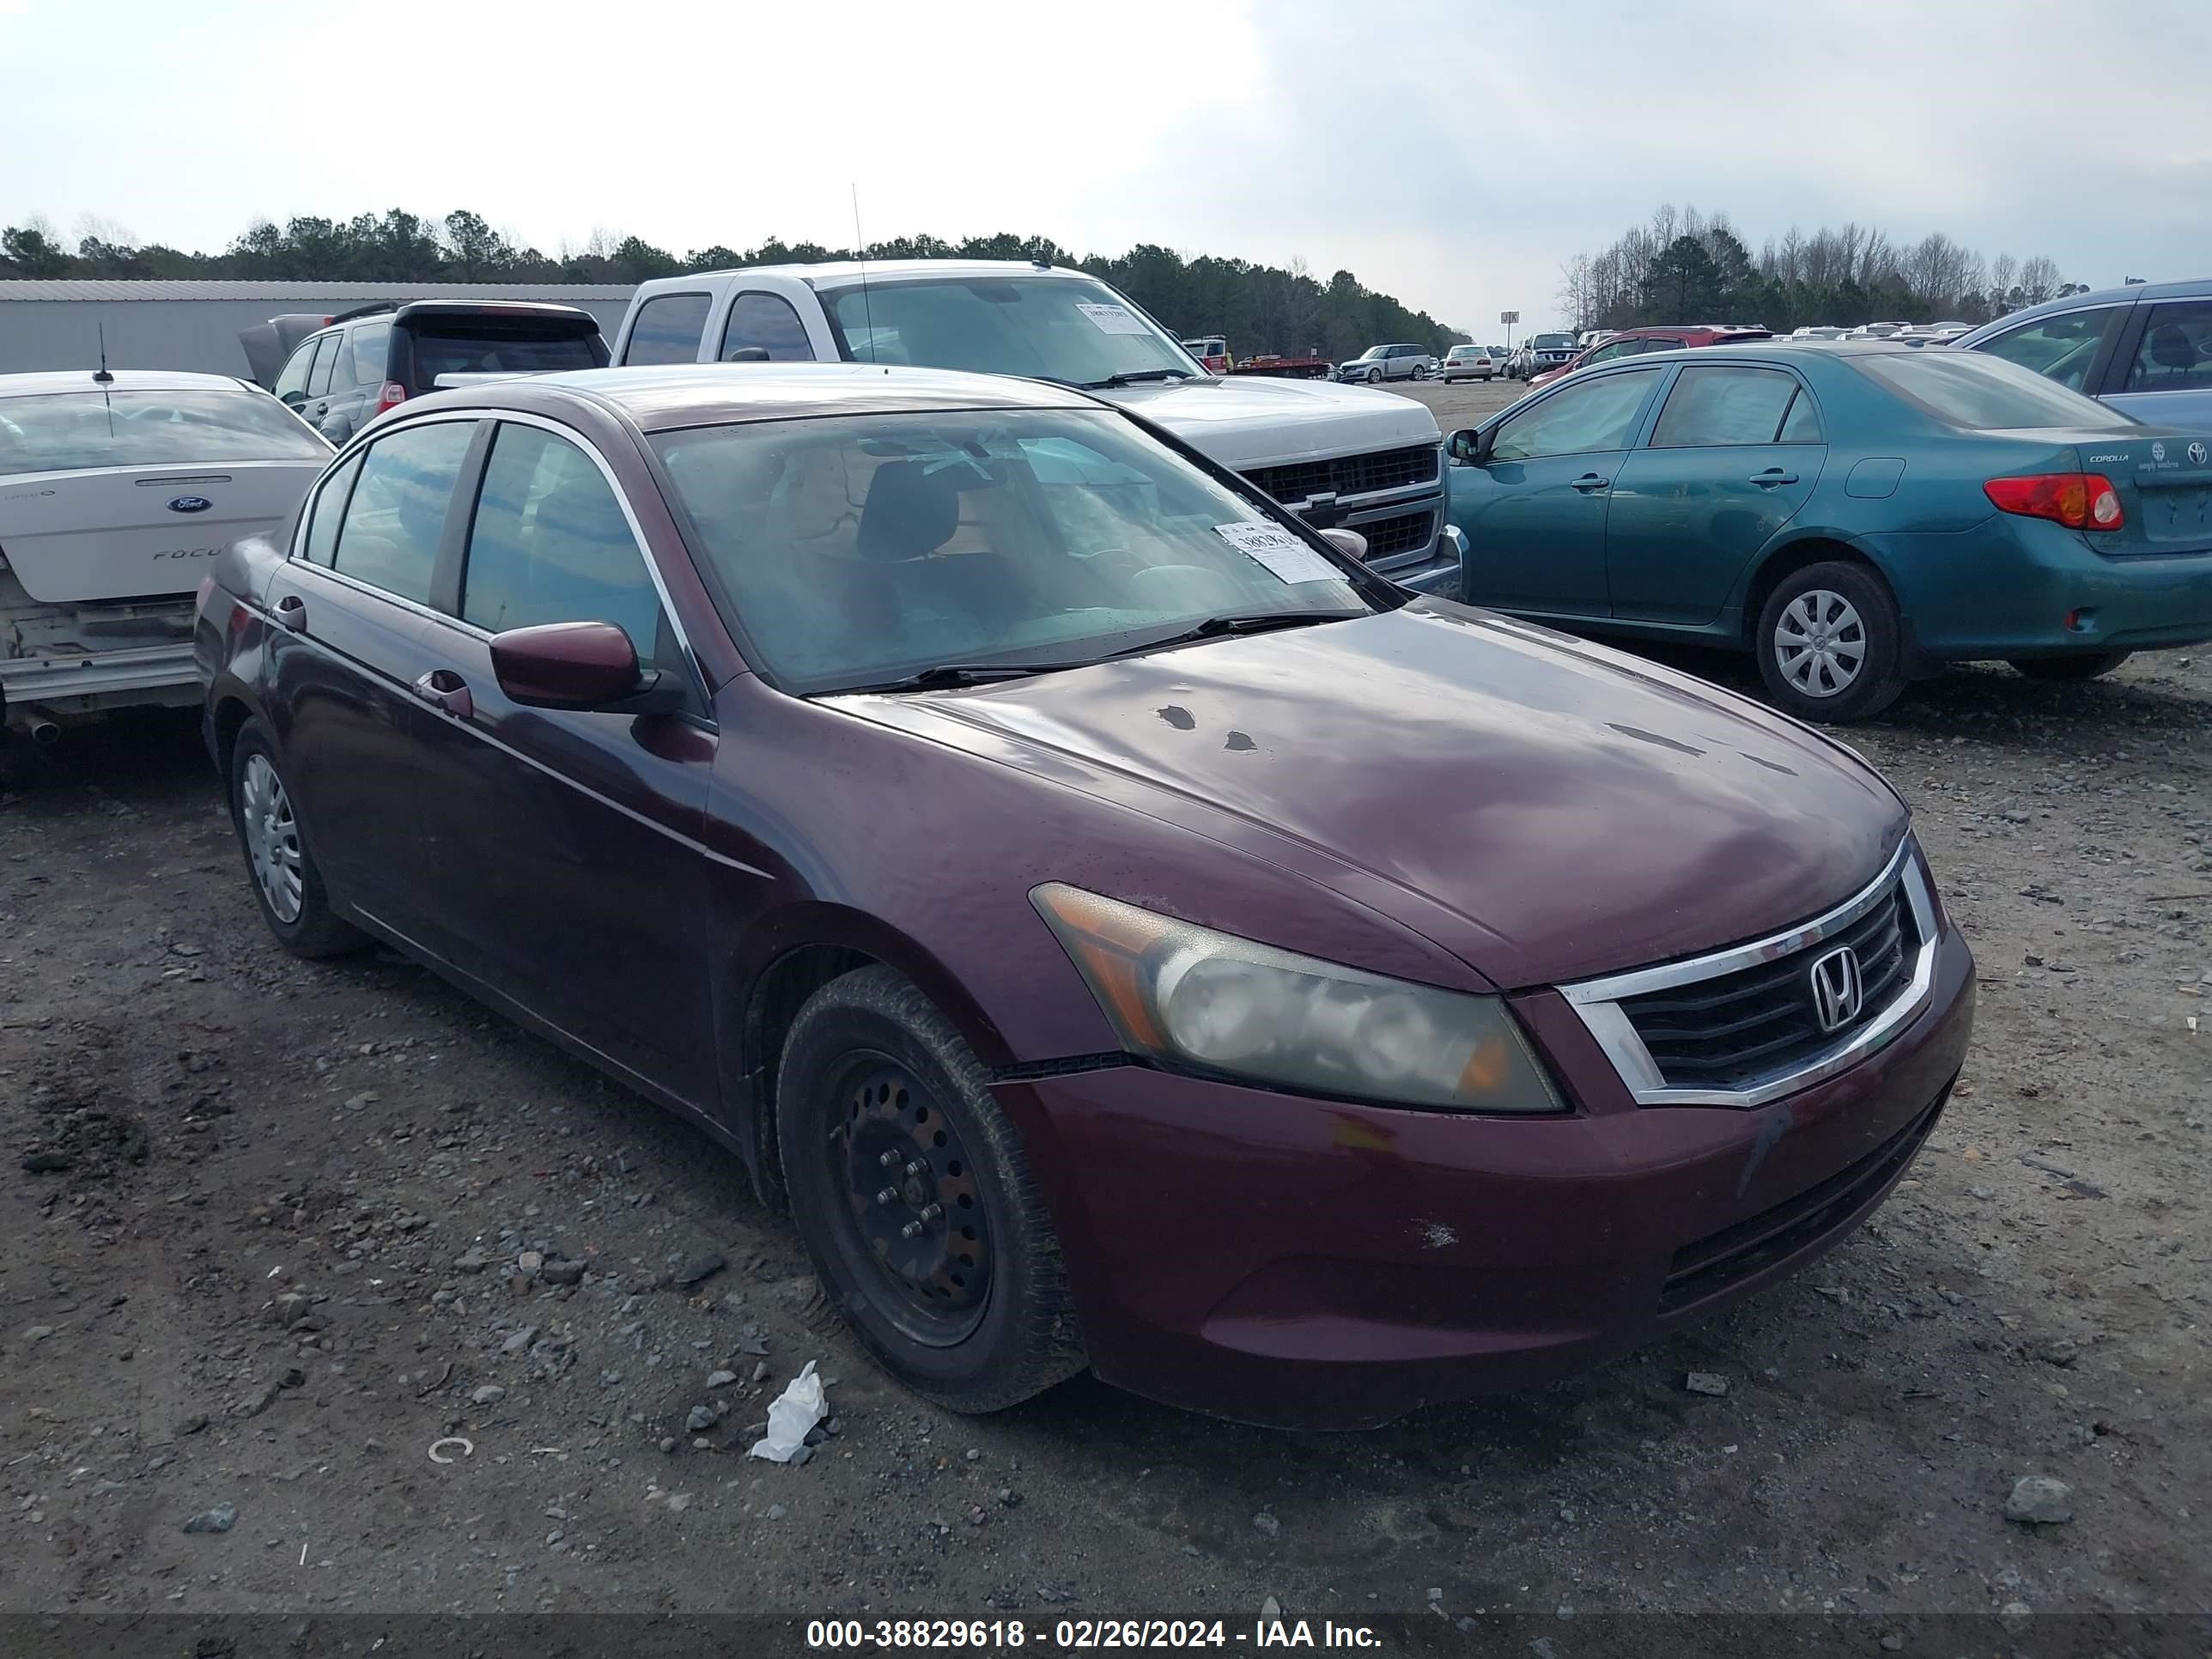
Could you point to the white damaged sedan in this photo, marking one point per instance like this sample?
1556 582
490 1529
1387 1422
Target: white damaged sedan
117 490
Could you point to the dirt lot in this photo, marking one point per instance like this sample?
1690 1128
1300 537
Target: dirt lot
234 1131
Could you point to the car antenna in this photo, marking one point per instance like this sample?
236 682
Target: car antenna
867 310
103 380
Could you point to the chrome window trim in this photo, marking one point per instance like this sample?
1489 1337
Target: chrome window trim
1597 1001
489 412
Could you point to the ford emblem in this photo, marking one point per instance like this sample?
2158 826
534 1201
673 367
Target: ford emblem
190 504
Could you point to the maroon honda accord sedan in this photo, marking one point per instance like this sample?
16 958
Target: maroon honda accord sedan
1127 933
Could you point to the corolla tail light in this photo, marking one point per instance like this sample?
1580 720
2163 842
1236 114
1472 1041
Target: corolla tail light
2080 501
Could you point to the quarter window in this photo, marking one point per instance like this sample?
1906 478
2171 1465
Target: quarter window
766 321
1801 425
2059 348
371 343
550 544
2176 352
1585 416
329 507
396 515
667 330
1722 404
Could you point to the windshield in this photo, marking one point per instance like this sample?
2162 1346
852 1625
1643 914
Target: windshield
1982 394
74 431
1553 343
857 550
1052 328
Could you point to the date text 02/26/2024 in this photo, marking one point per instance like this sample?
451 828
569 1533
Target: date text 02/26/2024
1078 1635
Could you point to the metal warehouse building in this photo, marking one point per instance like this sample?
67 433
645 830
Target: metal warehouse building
195 324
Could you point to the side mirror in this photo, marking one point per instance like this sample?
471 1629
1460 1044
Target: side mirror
1350 543
293 399
747 354
1470 448
579 664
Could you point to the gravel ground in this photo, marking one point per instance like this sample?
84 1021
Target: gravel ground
272 1230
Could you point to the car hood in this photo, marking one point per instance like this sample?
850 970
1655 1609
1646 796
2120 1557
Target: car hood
1261 421
1545 809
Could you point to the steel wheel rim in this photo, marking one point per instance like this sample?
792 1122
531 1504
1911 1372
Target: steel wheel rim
1820 643
913 1211
272 838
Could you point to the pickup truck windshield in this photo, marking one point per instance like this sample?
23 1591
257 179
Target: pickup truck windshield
860 550
74 431
1041 327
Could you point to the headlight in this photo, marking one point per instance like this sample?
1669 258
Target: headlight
1188 994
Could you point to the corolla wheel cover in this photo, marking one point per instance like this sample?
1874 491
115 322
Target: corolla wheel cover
1820 643
272 838
913 1198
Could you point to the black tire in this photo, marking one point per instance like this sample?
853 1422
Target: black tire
870 1060
317 930
1868 623
2070 670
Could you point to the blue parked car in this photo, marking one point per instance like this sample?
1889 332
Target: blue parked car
1853 514
2147 350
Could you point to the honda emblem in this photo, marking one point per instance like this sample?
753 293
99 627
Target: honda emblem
1837 988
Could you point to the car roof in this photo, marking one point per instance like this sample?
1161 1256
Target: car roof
839 273
659 397
121 379
2195 287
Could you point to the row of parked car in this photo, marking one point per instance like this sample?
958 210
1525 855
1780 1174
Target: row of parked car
1052 854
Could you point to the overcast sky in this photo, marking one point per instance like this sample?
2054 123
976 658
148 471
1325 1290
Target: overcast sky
1452 153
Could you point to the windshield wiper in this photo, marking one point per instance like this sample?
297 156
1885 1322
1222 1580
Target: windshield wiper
963 673
1215 627
1135 376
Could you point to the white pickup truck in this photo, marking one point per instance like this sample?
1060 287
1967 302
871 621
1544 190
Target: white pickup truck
1339 456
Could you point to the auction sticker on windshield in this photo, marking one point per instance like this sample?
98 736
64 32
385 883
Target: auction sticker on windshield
1114 320
1283 553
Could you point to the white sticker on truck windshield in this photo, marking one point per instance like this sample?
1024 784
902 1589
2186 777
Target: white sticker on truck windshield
1291 559
1114 320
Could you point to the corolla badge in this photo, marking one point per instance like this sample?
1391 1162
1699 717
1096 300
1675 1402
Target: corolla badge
190 504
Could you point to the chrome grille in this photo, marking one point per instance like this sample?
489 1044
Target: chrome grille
1729 1032
1348 475
1739 1027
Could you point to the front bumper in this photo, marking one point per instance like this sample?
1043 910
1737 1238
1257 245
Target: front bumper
1325 1264
87 682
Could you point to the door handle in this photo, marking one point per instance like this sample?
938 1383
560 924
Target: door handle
441 688
1589 483
1771 477
292 613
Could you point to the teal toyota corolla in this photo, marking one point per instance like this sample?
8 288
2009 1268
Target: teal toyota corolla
1855 515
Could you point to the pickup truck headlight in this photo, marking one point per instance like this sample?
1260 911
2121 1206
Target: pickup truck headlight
1183 994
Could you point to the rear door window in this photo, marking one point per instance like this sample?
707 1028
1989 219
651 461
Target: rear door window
1583 415
765 320
396 515
326 360
2060 347
2176 352
667 328
550 543
1724 404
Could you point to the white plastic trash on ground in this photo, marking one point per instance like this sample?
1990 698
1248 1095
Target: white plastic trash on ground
793 1412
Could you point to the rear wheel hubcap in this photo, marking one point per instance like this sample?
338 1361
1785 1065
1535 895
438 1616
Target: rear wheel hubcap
1819 643
272 838
912 1200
